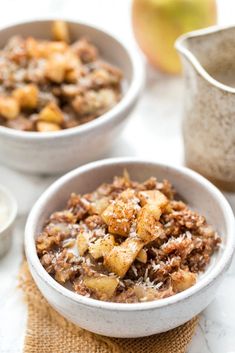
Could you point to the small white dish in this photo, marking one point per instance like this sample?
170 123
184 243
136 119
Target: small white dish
60 151
8 212
140 319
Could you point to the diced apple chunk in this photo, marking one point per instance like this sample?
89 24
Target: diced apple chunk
119 214
182 280
52 47
102 285
153 196
27 96
60 31
56 67
9 107
82 242
102 247
44 126
121 257
148 225
153 202
51 113
100 205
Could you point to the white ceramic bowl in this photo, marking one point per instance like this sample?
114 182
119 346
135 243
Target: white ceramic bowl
141 319
57 152
7 201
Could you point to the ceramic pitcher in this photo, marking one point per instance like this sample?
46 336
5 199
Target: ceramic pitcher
208 58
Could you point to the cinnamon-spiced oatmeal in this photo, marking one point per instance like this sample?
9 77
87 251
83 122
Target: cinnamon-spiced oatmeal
127 242
50 85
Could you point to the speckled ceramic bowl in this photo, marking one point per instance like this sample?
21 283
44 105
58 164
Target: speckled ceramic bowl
141 319
60 151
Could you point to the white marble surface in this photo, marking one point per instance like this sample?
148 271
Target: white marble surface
154 128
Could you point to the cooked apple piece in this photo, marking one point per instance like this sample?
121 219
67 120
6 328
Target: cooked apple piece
148 225
126 177
27 96
44 126
121 257
121 212
129 195
82 242
153 196
102 246
60 31
51 113
102 285
55 47
99 205
43 48
56 67
9 107
33 48
142 256
182 280
118 216
73 67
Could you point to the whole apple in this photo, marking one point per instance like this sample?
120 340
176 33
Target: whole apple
157 24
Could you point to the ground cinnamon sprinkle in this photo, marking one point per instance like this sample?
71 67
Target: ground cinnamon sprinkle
127 242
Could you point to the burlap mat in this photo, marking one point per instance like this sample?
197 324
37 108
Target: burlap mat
49 332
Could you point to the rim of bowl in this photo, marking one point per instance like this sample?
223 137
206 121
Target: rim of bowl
134 89
220 266
13 208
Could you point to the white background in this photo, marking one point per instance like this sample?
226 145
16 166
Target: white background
154 128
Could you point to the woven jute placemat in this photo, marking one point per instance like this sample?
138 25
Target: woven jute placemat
49 332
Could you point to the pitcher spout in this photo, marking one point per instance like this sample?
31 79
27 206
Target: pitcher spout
211 53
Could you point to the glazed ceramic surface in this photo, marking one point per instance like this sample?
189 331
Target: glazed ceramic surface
57 152
141 319
6 228
209 104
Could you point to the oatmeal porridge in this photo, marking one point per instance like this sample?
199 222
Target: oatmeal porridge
127 242
50 85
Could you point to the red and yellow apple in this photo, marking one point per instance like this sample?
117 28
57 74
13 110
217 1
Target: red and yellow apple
157 24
